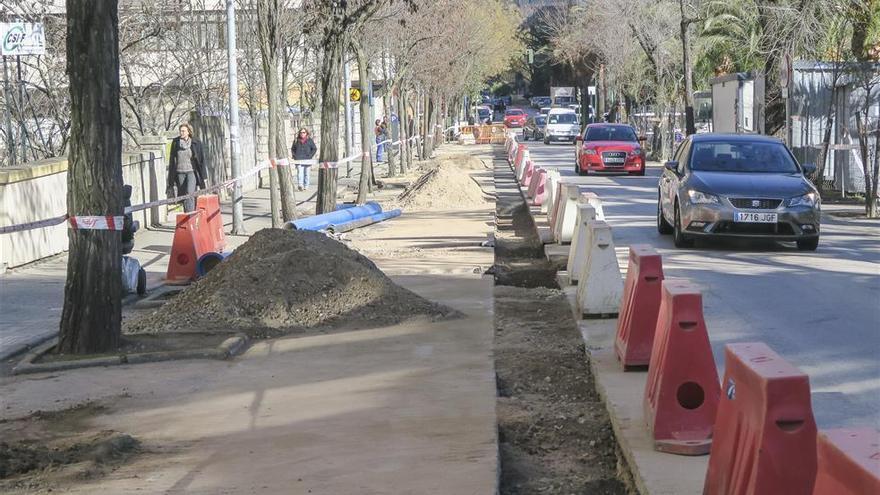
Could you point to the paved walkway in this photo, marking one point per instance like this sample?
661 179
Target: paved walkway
408 408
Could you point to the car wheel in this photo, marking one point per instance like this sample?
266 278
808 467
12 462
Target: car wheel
577 168
678 237
662 225
142 282
640 173
808 244
525 136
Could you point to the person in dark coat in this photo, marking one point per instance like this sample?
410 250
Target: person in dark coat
186 167
303 149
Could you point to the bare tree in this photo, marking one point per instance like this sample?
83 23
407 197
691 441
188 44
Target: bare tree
92 315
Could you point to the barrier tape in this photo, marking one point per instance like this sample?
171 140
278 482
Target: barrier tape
88 222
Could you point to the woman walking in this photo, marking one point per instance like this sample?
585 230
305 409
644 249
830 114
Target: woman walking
303 149
381 135
186 167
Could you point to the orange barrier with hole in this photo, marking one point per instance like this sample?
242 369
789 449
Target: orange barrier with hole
639 307
848 462
681 395
765 434
210 203
191 240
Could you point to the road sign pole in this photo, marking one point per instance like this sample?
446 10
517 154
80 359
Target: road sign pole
234 144
7 103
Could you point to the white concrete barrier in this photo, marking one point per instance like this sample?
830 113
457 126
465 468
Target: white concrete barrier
553 178
600 286
566 216
595 201
577 255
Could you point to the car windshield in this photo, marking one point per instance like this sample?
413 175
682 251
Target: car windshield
513 112
610 133
540 120
563 118
748 157
483 111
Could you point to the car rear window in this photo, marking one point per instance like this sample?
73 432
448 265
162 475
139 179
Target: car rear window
513 112
748 157
610 133
563 118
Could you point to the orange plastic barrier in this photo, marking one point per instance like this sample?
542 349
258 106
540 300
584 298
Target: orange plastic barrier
765 434
639 307
681 395
517 155
192 239
210 203
848 462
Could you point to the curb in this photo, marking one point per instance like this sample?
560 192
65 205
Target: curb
229 348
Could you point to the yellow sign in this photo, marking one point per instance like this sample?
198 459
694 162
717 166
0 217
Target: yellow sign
354 94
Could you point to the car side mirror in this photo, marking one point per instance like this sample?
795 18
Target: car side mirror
671 165
642 137
809 169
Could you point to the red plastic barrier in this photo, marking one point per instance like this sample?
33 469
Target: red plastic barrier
848 462
540 189
192 239
533 183
639 307
210 203
681 395
529 172
765 435
518 151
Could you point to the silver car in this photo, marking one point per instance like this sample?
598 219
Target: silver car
737 186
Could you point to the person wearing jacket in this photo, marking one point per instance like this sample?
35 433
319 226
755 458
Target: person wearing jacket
186 166
303 149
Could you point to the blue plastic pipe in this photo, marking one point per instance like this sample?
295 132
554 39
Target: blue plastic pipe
364 221
322 221
208 261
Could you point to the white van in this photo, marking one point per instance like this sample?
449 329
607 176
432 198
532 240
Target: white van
562 125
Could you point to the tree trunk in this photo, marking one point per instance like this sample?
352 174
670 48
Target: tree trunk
331 65
285 174
410 130
830 115
874 212
267 15
366 156
690 126
387 93
403 133
600 94
92 315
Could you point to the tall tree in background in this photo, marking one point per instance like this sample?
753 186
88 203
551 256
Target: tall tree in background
92 315
268 32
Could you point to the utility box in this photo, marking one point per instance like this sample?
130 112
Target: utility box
738 103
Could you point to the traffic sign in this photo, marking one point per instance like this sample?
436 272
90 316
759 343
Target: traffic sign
354 94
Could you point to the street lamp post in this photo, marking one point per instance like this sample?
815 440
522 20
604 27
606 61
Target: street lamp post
234 144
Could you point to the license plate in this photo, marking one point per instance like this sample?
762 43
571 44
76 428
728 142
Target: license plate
615 160
749 217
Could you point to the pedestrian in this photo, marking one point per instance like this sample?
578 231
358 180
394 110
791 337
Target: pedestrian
303 149
381 135
186 167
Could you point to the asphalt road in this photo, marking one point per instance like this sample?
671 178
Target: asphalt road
819 310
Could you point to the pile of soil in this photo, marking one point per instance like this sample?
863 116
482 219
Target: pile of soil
447 186
286 280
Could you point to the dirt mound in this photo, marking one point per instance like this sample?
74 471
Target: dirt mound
444 187
285 280
460 160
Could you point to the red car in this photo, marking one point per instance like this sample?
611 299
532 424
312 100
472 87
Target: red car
609 148
514 118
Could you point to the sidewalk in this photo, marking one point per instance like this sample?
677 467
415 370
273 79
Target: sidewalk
408 408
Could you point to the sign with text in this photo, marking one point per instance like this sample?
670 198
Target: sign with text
22 38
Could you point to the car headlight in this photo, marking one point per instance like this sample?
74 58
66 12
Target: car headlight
811 199
701 198
635 152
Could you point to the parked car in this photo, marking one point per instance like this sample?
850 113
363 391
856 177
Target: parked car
534 128
609 148
514 118
484 114
562 125
737 185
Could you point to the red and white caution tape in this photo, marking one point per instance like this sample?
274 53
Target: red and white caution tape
96 223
